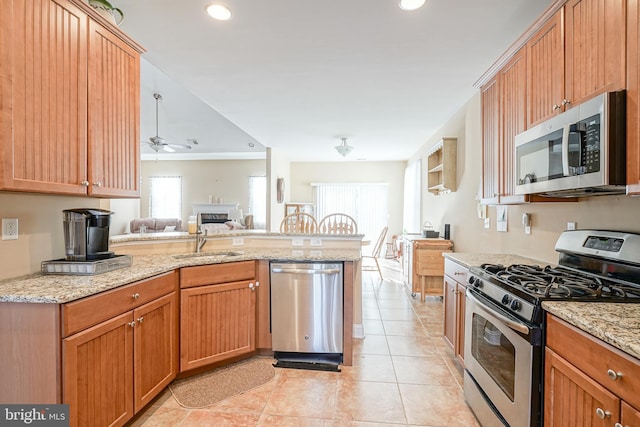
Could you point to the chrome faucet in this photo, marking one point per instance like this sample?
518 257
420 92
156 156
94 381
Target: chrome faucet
201 237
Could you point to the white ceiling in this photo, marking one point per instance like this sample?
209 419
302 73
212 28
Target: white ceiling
298 75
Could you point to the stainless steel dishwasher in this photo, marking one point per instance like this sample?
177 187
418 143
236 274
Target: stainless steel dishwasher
307 308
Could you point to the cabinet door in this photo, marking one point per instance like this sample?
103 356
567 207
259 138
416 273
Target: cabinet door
450 316
98 373
513 114
490 140
545 71
633 98
595 35
43 96
461 303
217 322
630 416
155 348
114 115
571 398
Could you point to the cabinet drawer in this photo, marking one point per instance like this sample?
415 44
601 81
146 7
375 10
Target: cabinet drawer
596 358
217 273
456 271
86 312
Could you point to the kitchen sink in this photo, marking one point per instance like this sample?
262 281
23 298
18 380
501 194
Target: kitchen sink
208 254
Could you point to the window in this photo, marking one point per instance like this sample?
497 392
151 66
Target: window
367 203
258 201
165 196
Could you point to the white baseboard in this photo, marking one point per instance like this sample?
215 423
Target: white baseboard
358 330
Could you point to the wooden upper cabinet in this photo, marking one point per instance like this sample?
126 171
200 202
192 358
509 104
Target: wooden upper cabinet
69 101
579 53
633 97
545 70
114 115
595 49
503 117
43 96
513 116
490 140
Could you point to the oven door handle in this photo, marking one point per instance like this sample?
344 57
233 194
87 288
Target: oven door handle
518 327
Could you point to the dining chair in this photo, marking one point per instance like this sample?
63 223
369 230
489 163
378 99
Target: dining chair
338 223
299 222
376 253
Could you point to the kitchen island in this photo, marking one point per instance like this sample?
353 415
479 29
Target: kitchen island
126 325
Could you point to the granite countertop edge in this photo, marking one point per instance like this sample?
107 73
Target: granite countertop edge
617 324
59 289
469 259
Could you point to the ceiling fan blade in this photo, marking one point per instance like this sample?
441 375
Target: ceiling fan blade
179 146
168 148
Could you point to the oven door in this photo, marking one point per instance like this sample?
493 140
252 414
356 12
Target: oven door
499 355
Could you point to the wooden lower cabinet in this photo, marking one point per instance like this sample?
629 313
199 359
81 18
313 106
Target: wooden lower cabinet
455 297
113 369
217 321
588 382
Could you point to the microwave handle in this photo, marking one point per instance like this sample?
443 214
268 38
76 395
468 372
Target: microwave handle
565 150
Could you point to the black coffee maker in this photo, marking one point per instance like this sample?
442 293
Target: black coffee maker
86 234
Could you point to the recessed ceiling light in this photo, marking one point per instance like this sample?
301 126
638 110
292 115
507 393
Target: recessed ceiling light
219 12
411 4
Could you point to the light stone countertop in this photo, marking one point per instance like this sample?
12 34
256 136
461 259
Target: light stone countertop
183 235
617 324
40 288
477 259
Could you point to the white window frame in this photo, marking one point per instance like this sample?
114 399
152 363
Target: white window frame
165 197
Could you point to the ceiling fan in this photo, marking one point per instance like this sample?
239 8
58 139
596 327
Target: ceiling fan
158 143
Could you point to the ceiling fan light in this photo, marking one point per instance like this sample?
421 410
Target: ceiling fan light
344 149
219 12
411 4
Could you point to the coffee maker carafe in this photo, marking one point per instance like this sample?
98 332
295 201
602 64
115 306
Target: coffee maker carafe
86 234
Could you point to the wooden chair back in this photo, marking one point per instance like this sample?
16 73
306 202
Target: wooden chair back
299 222
338 223
378 247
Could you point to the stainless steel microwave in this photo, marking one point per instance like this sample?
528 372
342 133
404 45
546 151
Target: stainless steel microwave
581 152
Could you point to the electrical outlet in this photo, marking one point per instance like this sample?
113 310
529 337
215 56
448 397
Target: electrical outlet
237 241
9 228
571 226
316 242
297 242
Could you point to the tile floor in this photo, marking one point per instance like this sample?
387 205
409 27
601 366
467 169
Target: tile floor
403 374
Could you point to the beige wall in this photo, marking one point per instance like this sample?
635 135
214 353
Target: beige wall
40 236
227 179
305 173
548 219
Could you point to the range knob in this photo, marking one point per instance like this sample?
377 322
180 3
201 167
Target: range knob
506 299
475 281
516 305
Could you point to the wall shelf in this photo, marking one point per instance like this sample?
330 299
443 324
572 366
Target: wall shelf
441 166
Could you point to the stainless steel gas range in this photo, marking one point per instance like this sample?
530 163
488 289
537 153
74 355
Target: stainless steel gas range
504 320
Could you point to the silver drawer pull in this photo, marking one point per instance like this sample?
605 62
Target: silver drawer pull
618 425
602 414
135 296
614 375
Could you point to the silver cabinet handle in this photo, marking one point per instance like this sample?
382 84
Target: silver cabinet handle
135 296
614 375
602 414
565 102
85 183
252 287
132 324
140 319
97 184
618 425
556 107
304 271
